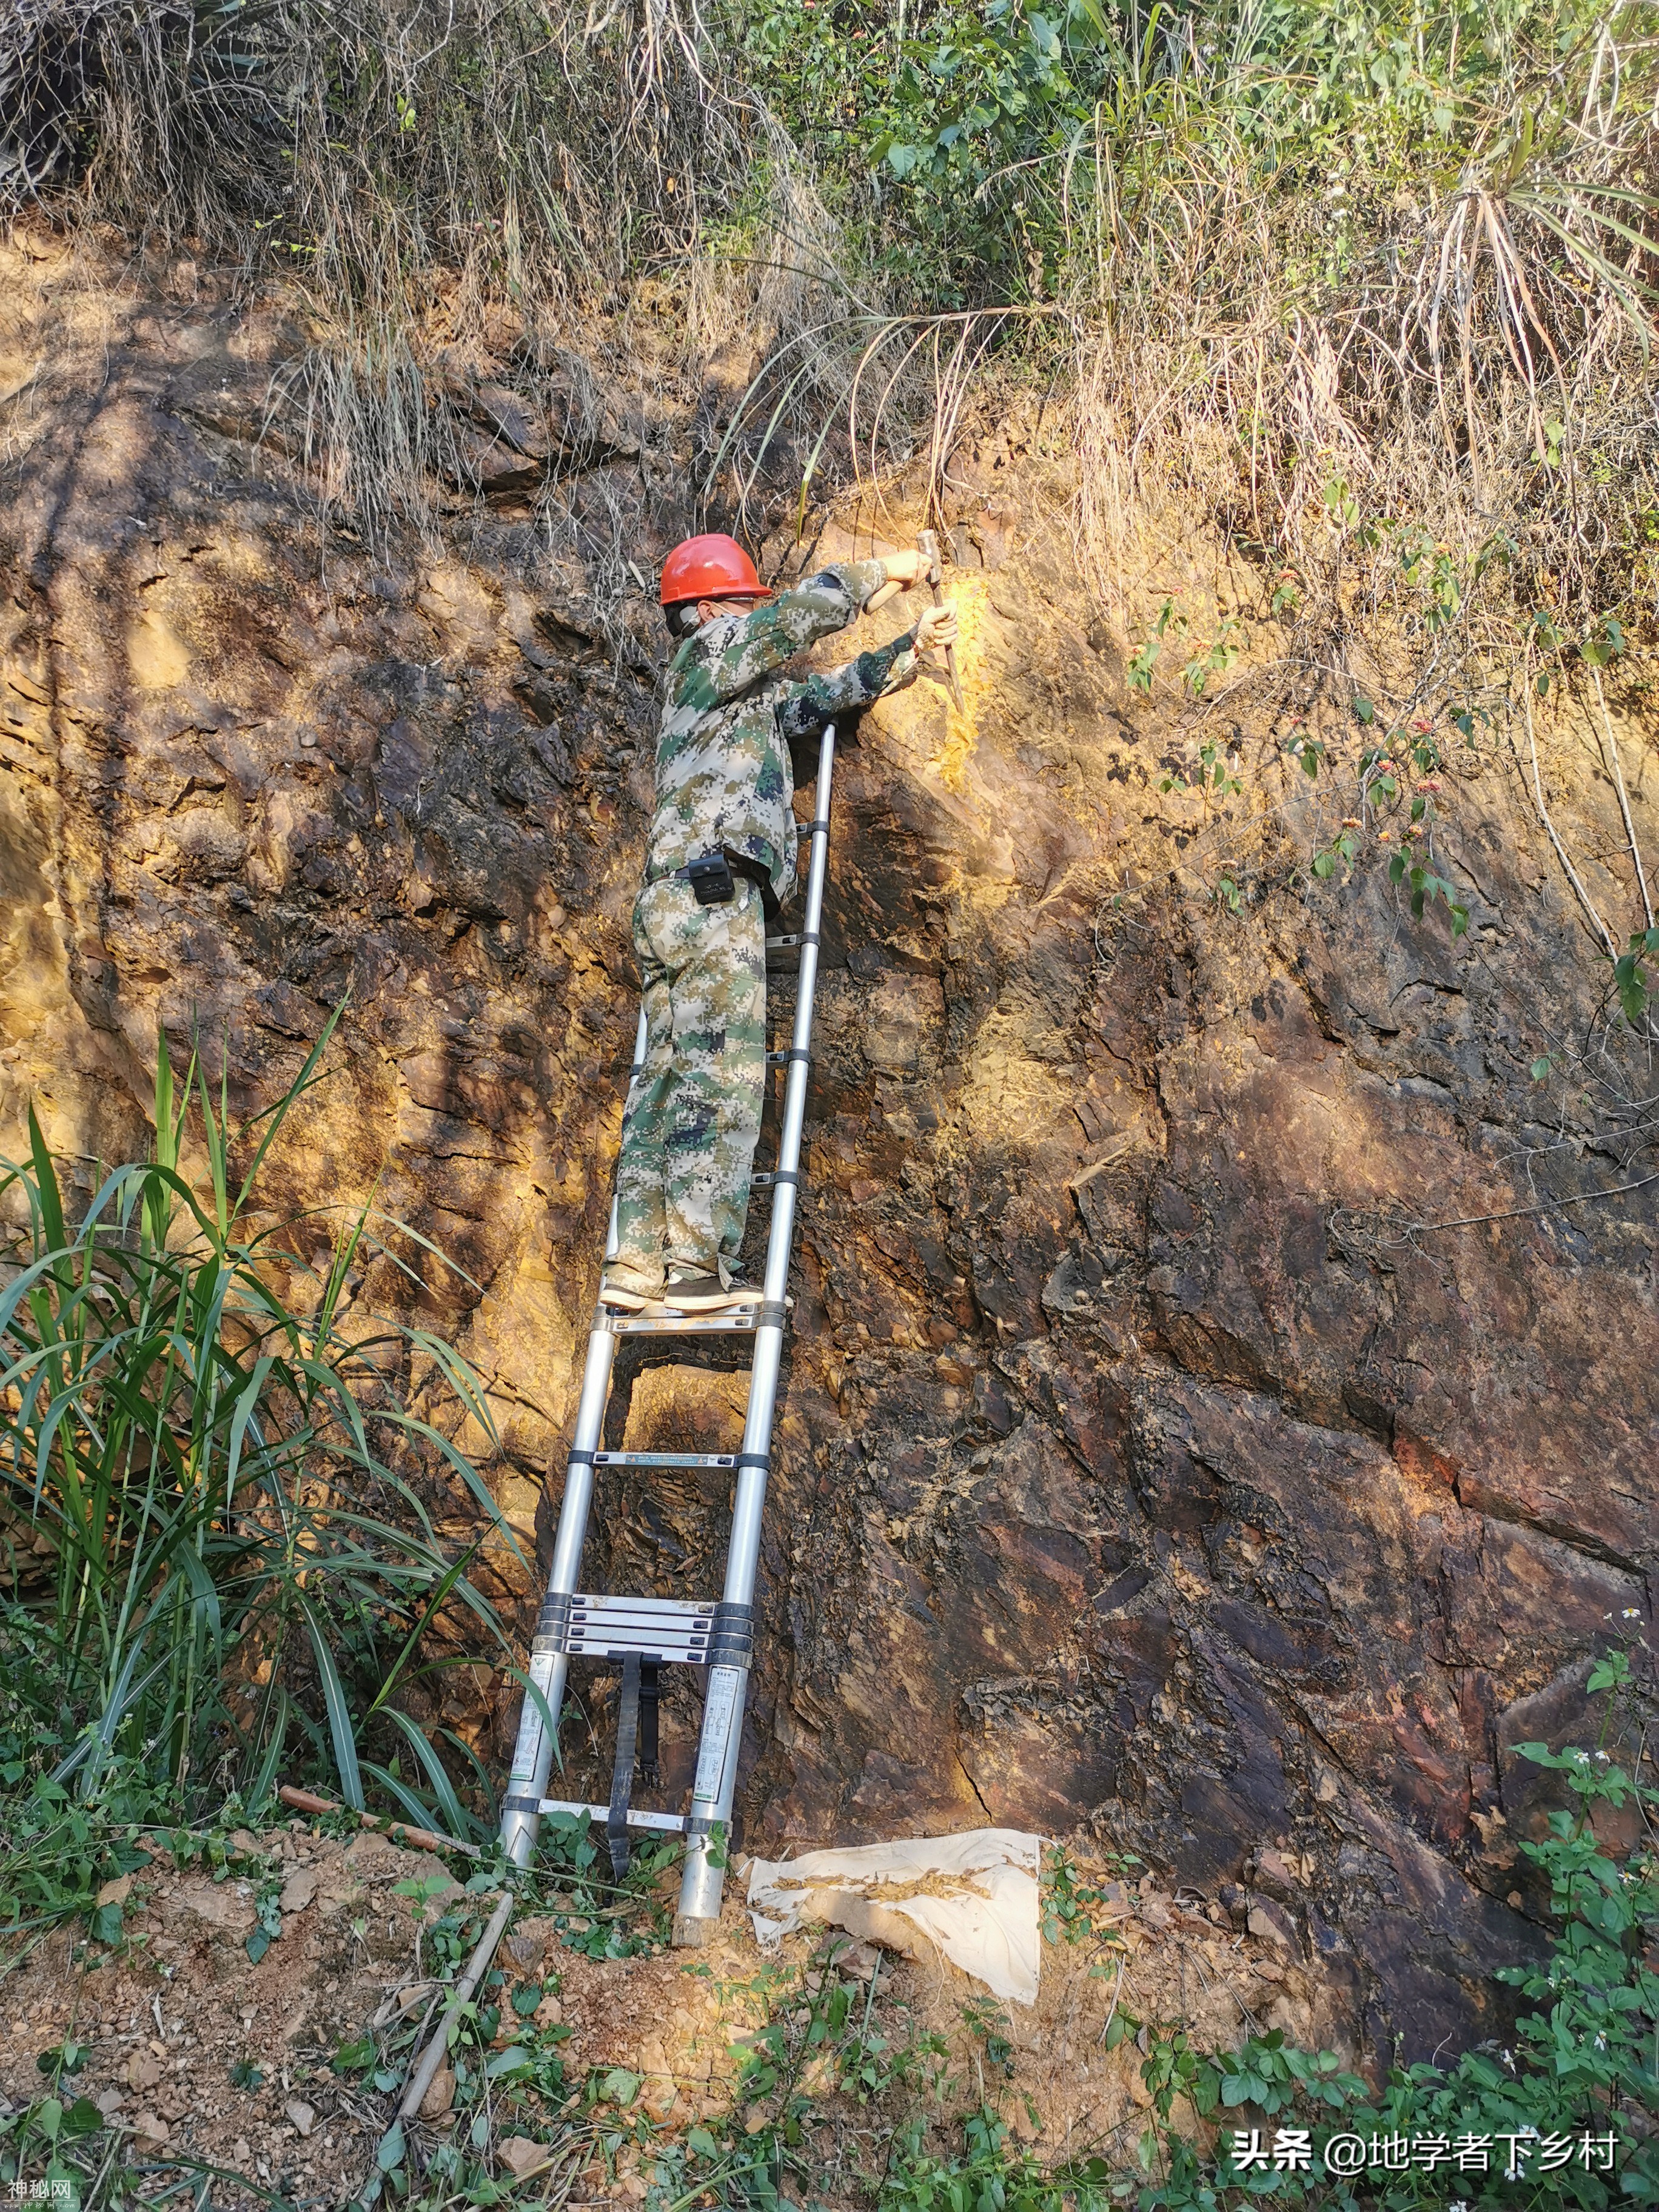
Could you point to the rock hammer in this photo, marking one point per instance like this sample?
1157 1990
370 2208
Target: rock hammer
927 546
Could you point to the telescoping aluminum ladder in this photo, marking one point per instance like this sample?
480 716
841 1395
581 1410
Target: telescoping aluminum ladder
641 1634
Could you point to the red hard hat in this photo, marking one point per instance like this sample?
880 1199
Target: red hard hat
712 568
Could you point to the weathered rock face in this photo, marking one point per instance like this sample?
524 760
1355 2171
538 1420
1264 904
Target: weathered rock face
1145 1463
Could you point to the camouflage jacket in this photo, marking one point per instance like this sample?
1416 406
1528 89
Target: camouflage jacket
724 777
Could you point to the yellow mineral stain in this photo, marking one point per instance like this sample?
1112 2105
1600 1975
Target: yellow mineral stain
948 765
158 655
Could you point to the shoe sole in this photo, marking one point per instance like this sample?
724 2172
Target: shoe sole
630 1302
708 1303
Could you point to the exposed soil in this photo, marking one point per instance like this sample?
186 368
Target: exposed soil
177 2018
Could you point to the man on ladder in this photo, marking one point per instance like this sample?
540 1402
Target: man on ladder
721 858
721 855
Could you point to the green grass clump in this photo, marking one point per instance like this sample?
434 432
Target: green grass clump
216 1501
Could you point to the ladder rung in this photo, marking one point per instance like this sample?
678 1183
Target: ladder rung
664 1459
667 1824
661 1608
664 1648
743 1319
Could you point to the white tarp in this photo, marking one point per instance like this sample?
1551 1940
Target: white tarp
975 1894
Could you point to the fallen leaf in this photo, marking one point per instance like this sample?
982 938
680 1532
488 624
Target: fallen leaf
440 2096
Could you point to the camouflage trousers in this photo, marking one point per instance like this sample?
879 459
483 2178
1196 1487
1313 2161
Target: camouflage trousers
694 1111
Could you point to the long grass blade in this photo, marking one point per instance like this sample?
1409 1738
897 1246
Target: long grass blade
341 1734
454 1818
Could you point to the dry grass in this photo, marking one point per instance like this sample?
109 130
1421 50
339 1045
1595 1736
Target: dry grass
1405 371
441 188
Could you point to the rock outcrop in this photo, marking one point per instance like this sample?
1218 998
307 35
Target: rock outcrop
1221 1407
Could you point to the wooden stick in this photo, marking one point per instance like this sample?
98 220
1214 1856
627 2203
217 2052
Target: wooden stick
426 1839
928 544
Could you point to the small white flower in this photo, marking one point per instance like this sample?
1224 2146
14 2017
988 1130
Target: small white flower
1631 1613
1600 2042
1458 2206
1603 1757
1508 2057
1512 2173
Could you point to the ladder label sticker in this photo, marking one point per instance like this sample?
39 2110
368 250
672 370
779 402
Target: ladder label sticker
531 1725
719 1713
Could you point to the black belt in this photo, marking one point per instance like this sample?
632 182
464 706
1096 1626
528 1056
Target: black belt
710 876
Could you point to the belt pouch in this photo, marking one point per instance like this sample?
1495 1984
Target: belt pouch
710 878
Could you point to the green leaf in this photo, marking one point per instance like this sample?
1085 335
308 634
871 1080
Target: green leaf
339 1710
701 2144
82 2118
105 1926
257 1944
454 1819
1541 1068
1631 986
391 2151
1363 709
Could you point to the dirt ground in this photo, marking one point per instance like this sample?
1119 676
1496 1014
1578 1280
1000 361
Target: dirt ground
202 2055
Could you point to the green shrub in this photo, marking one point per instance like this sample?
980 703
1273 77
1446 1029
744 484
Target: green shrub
996 127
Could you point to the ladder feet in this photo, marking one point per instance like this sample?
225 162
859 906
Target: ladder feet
693 1933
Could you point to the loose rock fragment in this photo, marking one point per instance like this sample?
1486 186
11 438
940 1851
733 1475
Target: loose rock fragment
299 1889
522 2156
